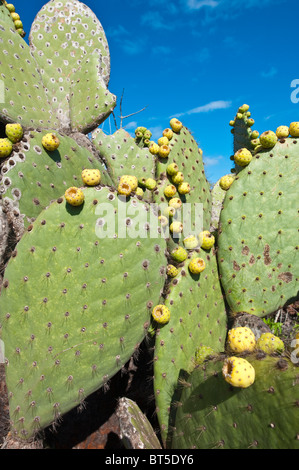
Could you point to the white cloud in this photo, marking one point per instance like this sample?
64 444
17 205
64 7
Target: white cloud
131 125
270 73
196 5
212 161
212 106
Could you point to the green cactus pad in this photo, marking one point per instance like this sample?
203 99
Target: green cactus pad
186 154
75 305
31 177
258 244
5 15
26 100
197 318
77 73
211 414
122 156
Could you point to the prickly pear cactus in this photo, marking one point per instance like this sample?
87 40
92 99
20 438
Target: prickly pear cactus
75 304
31 176
258 244
198 318
211 414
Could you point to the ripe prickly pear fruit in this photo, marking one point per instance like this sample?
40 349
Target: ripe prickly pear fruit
244 108
50 142
124 189
184 188
175 202
176 227
226 181
74 196
176 125
15 16
282 132
241 339
254 135
164 151
130 180
139 192
270 343
5 147
178 178
294 129
179 254
169 212
171 270
238 372
170 190
202 353
168 133
91 177
206 240
161 314
191 242
18 24
140 129
10 7
147 134
172 169
14 132
163 141
163 220
150 184
197 265
243 157
154 148
268 139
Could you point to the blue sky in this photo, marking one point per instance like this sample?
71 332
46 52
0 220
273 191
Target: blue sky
199 60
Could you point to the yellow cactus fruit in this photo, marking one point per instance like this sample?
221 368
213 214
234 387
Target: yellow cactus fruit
170 190
238 372
164 151
14 132
169 212
168 133
206 240
268 139
163 141
294 129
176 125
197 265
184 188
176 227
163 220
5 147
172 169
131 180
243 157
124 189
161 314
91 177
154 148
269 343
241 339
50 142
171 270
226 181
178 178
282 132
150 184
175 202
190 242
74 196
139 192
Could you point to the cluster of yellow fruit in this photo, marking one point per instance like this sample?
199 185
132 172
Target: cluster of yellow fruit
238 371
14 133
162 148
75 196
16 18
